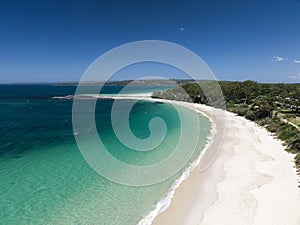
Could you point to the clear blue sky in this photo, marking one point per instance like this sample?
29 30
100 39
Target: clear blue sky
239 39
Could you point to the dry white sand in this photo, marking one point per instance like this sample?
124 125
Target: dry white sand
252 181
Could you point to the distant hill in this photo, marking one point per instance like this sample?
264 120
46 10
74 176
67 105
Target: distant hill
161 82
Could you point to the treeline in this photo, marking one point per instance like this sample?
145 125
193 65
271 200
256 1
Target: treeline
258 102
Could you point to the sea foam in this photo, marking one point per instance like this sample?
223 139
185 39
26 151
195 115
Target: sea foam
165 201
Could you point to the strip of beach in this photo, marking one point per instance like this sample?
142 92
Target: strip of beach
252 181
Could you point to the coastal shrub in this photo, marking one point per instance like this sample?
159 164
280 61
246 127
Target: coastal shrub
251 115
230 104
265 121
294 147
297 159
287 132
241 110
272 127
289 116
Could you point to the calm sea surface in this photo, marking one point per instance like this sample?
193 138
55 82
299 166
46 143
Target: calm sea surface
43 176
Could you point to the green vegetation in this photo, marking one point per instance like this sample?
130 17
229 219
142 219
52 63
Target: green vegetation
270 105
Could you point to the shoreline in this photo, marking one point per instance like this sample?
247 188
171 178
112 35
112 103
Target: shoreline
159 207
252 180
163 203
187 193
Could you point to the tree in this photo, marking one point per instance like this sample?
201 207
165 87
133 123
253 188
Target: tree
263 107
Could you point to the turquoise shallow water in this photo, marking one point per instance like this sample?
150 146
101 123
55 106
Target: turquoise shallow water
43 176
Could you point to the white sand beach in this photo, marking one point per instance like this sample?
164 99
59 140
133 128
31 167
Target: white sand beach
252 181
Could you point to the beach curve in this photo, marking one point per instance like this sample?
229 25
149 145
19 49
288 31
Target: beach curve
251 178
252 181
